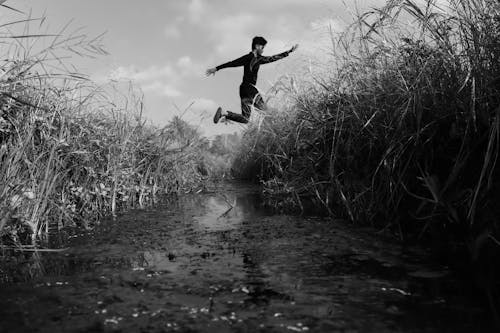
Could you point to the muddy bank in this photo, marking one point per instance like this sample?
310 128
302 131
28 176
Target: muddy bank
220 262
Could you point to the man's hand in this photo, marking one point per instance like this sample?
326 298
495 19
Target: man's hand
293 48
211 71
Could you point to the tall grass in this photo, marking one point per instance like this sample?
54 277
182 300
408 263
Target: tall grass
404 135
71 151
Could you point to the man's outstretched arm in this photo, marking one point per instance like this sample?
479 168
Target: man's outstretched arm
273 58
235 63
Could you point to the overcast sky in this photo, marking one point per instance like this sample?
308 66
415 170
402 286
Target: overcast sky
165 46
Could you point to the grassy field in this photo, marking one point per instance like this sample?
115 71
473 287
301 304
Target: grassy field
402 134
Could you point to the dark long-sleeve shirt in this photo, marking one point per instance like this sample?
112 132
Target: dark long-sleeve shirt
251 64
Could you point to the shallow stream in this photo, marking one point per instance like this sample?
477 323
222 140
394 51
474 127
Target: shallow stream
219 261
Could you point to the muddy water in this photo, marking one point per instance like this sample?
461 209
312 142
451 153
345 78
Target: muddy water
197 265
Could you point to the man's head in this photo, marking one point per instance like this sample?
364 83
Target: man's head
258 44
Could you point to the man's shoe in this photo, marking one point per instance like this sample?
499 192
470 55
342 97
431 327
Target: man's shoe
218 115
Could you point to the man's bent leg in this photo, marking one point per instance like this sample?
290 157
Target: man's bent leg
246 110
246 106
236 117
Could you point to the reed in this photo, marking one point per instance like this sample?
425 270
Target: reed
403 134
72 151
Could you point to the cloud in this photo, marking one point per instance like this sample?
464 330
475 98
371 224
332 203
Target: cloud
231 34
162 89
141 75
285 3
229 26
172 31
196 10
188 68
267 6
185 62
166 80
327 25
203 104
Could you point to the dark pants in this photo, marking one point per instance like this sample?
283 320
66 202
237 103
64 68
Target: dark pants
249 96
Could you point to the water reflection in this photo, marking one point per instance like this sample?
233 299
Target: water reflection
227 211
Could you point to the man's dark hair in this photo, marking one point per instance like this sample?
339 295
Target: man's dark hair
258 40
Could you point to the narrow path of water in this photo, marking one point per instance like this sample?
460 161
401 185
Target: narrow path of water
193 265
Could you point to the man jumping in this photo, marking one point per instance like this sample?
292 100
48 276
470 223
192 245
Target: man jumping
248 92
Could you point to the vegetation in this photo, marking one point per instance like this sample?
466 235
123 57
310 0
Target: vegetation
221 153
72 152
403 133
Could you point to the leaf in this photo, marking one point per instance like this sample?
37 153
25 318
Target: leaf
8 7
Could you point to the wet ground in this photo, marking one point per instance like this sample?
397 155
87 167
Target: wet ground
220 262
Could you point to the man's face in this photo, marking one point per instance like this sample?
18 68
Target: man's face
259 48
